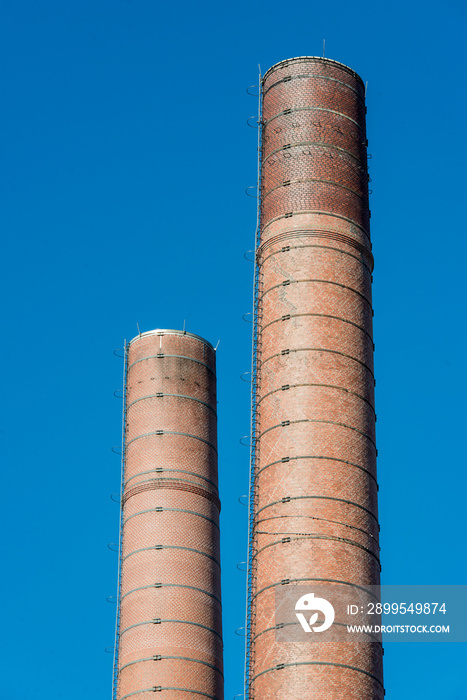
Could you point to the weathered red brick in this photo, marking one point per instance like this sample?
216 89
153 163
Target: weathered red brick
170 612
315 419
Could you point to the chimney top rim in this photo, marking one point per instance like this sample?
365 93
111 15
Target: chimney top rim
319 59
170 331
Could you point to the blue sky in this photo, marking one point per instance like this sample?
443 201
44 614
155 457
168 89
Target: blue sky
125 156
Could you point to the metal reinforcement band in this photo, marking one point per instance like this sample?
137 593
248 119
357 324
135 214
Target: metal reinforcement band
317 536
160 621
313 233
160 509
286 423
313 76
176 485
287 248
284 460
322 144
287 282
159 689
287 317
291 110
161 657
281 625
286 499
319 212
172 432
287 581
286 351
287 387
160 395
279 667
305 534
173 585
160 547
162 470
161 355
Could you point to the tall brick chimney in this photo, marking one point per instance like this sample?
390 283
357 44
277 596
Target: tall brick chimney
170 630
314 508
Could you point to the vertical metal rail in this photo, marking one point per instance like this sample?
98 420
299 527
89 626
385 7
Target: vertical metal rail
120 533
253 417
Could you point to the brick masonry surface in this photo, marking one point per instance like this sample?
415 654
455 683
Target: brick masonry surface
315 495
170 611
